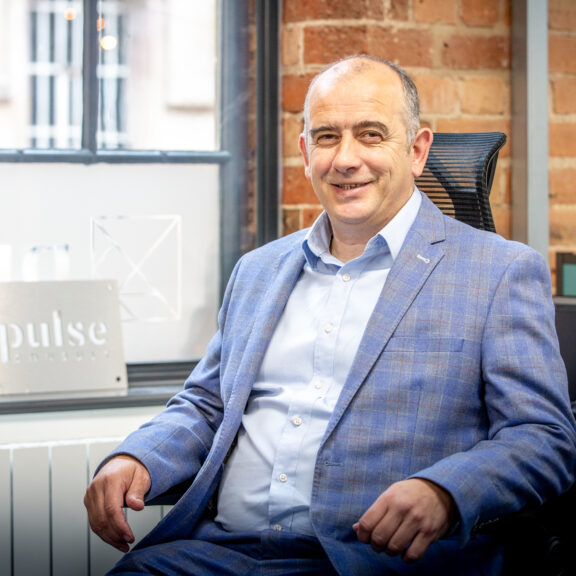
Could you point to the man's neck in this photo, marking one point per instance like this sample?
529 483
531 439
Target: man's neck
346 251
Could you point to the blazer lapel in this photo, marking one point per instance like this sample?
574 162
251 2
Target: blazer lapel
420 254
284 274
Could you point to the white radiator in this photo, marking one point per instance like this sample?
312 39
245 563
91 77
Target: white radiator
43 524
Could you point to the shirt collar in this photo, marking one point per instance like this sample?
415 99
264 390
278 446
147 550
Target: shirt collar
316 244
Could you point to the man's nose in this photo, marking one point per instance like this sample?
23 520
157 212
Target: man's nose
346 154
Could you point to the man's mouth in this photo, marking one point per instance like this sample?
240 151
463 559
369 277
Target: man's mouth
350 186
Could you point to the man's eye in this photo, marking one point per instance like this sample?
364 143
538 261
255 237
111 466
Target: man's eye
326 139
371 137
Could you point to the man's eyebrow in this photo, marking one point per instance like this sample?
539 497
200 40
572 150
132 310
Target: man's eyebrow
363 125
375 124
325 128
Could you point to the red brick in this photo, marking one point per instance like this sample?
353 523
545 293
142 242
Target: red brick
561 50
309 215
405 46
562 229
562 139
564 95
507 14
398 10
325 44
502 220
290 220
562 15
307 10
562 189
476 52
297 188
408 47
484 95
294 90
291 129
501 185
483 13
430 11
291 38
438 95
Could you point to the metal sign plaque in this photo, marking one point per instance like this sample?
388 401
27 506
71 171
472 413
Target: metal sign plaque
60 338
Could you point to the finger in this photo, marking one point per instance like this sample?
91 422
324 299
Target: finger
117 527
417 548
137 490
388 537
394 540
380 535
104 502
107 520
370 519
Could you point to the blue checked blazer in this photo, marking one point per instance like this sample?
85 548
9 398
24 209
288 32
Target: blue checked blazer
458 379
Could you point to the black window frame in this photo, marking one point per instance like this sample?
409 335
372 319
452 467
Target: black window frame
150 384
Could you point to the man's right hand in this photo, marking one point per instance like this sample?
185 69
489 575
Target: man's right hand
121 481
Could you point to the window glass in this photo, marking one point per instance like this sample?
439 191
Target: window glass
157 69
54 75
152 228
157 74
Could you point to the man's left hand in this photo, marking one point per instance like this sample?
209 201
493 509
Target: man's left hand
407 518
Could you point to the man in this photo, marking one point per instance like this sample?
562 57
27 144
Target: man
391 376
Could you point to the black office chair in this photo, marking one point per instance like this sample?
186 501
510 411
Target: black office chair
458 177
539 540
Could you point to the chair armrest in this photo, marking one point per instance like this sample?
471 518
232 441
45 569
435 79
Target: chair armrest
538 540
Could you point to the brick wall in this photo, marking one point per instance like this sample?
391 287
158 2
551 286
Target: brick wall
562 141
458 52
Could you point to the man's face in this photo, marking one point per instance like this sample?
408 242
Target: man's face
356 151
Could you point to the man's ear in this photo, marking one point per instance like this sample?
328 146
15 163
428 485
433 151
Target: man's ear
304 152
420 149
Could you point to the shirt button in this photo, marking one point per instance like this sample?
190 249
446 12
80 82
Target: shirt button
346 277
328 328
283 477
277 527
297 421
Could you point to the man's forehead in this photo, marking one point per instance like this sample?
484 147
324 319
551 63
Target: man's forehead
380 84
354 69
351 102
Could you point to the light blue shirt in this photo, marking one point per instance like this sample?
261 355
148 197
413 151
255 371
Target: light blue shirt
267 481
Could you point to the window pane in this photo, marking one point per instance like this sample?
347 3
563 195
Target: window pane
40 74
157 74
152 228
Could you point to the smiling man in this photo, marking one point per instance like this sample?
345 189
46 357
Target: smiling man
362 150
379 385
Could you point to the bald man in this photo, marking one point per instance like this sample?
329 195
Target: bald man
379 386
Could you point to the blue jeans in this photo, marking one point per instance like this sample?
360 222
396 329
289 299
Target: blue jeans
211 551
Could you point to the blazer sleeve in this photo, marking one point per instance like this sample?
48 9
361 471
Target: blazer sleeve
529 454
174 444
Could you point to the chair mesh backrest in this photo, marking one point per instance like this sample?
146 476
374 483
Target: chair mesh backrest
458 175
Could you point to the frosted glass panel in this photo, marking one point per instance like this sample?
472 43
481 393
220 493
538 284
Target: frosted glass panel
154 228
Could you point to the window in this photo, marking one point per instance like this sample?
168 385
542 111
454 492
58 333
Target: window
151 66
55 77
124 153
